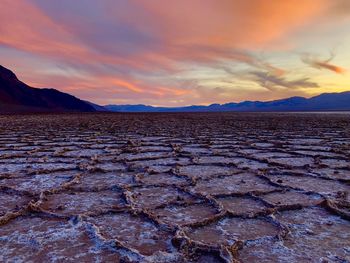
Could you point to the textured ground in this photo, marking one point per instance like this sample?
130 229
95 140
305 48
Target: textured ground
175 188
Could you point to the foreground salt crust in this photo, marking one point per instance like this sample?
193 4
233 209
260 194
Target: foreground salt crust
175 188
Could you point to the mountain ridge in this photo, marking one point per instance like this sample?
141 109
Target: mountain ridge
16 96
323 102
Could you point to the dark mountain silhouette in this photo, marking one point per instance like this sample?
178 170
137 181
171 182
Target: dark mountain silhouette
16 96
323 102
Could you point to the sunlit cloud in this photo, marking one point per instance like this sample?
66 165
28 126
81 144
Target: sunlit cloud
322 64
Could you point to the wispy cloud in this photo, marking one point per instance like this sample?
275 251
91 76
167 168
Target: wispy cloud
317 63
273 82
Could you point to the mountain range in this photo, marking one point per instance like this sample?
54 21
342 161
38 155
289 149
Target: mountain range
16 96
323 102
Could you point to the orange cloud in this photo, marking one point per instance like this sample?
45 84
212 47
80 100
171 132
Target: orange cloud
326 65
322 64
331 67
123 83
228 23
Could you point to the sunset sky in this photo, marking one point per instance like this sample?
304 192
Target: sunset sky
183 52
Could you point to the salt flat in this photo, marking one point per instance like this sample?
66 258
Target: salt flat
181 187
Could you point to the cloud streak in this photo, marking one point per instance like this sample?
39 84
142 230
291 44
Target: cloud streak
322 64
273 82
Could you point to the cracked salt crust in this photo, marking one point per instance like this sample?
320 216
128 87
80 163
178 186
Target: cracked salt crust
174 188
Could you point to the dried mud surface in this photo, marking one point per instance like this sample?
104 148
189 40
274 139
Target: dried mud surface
215 187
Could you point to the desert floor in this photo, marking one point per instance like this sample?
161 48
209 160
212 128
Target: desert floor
185 187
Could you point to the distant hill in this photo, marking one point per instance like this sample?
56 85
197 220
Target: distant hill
96 106
16 96
136 108
323 102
